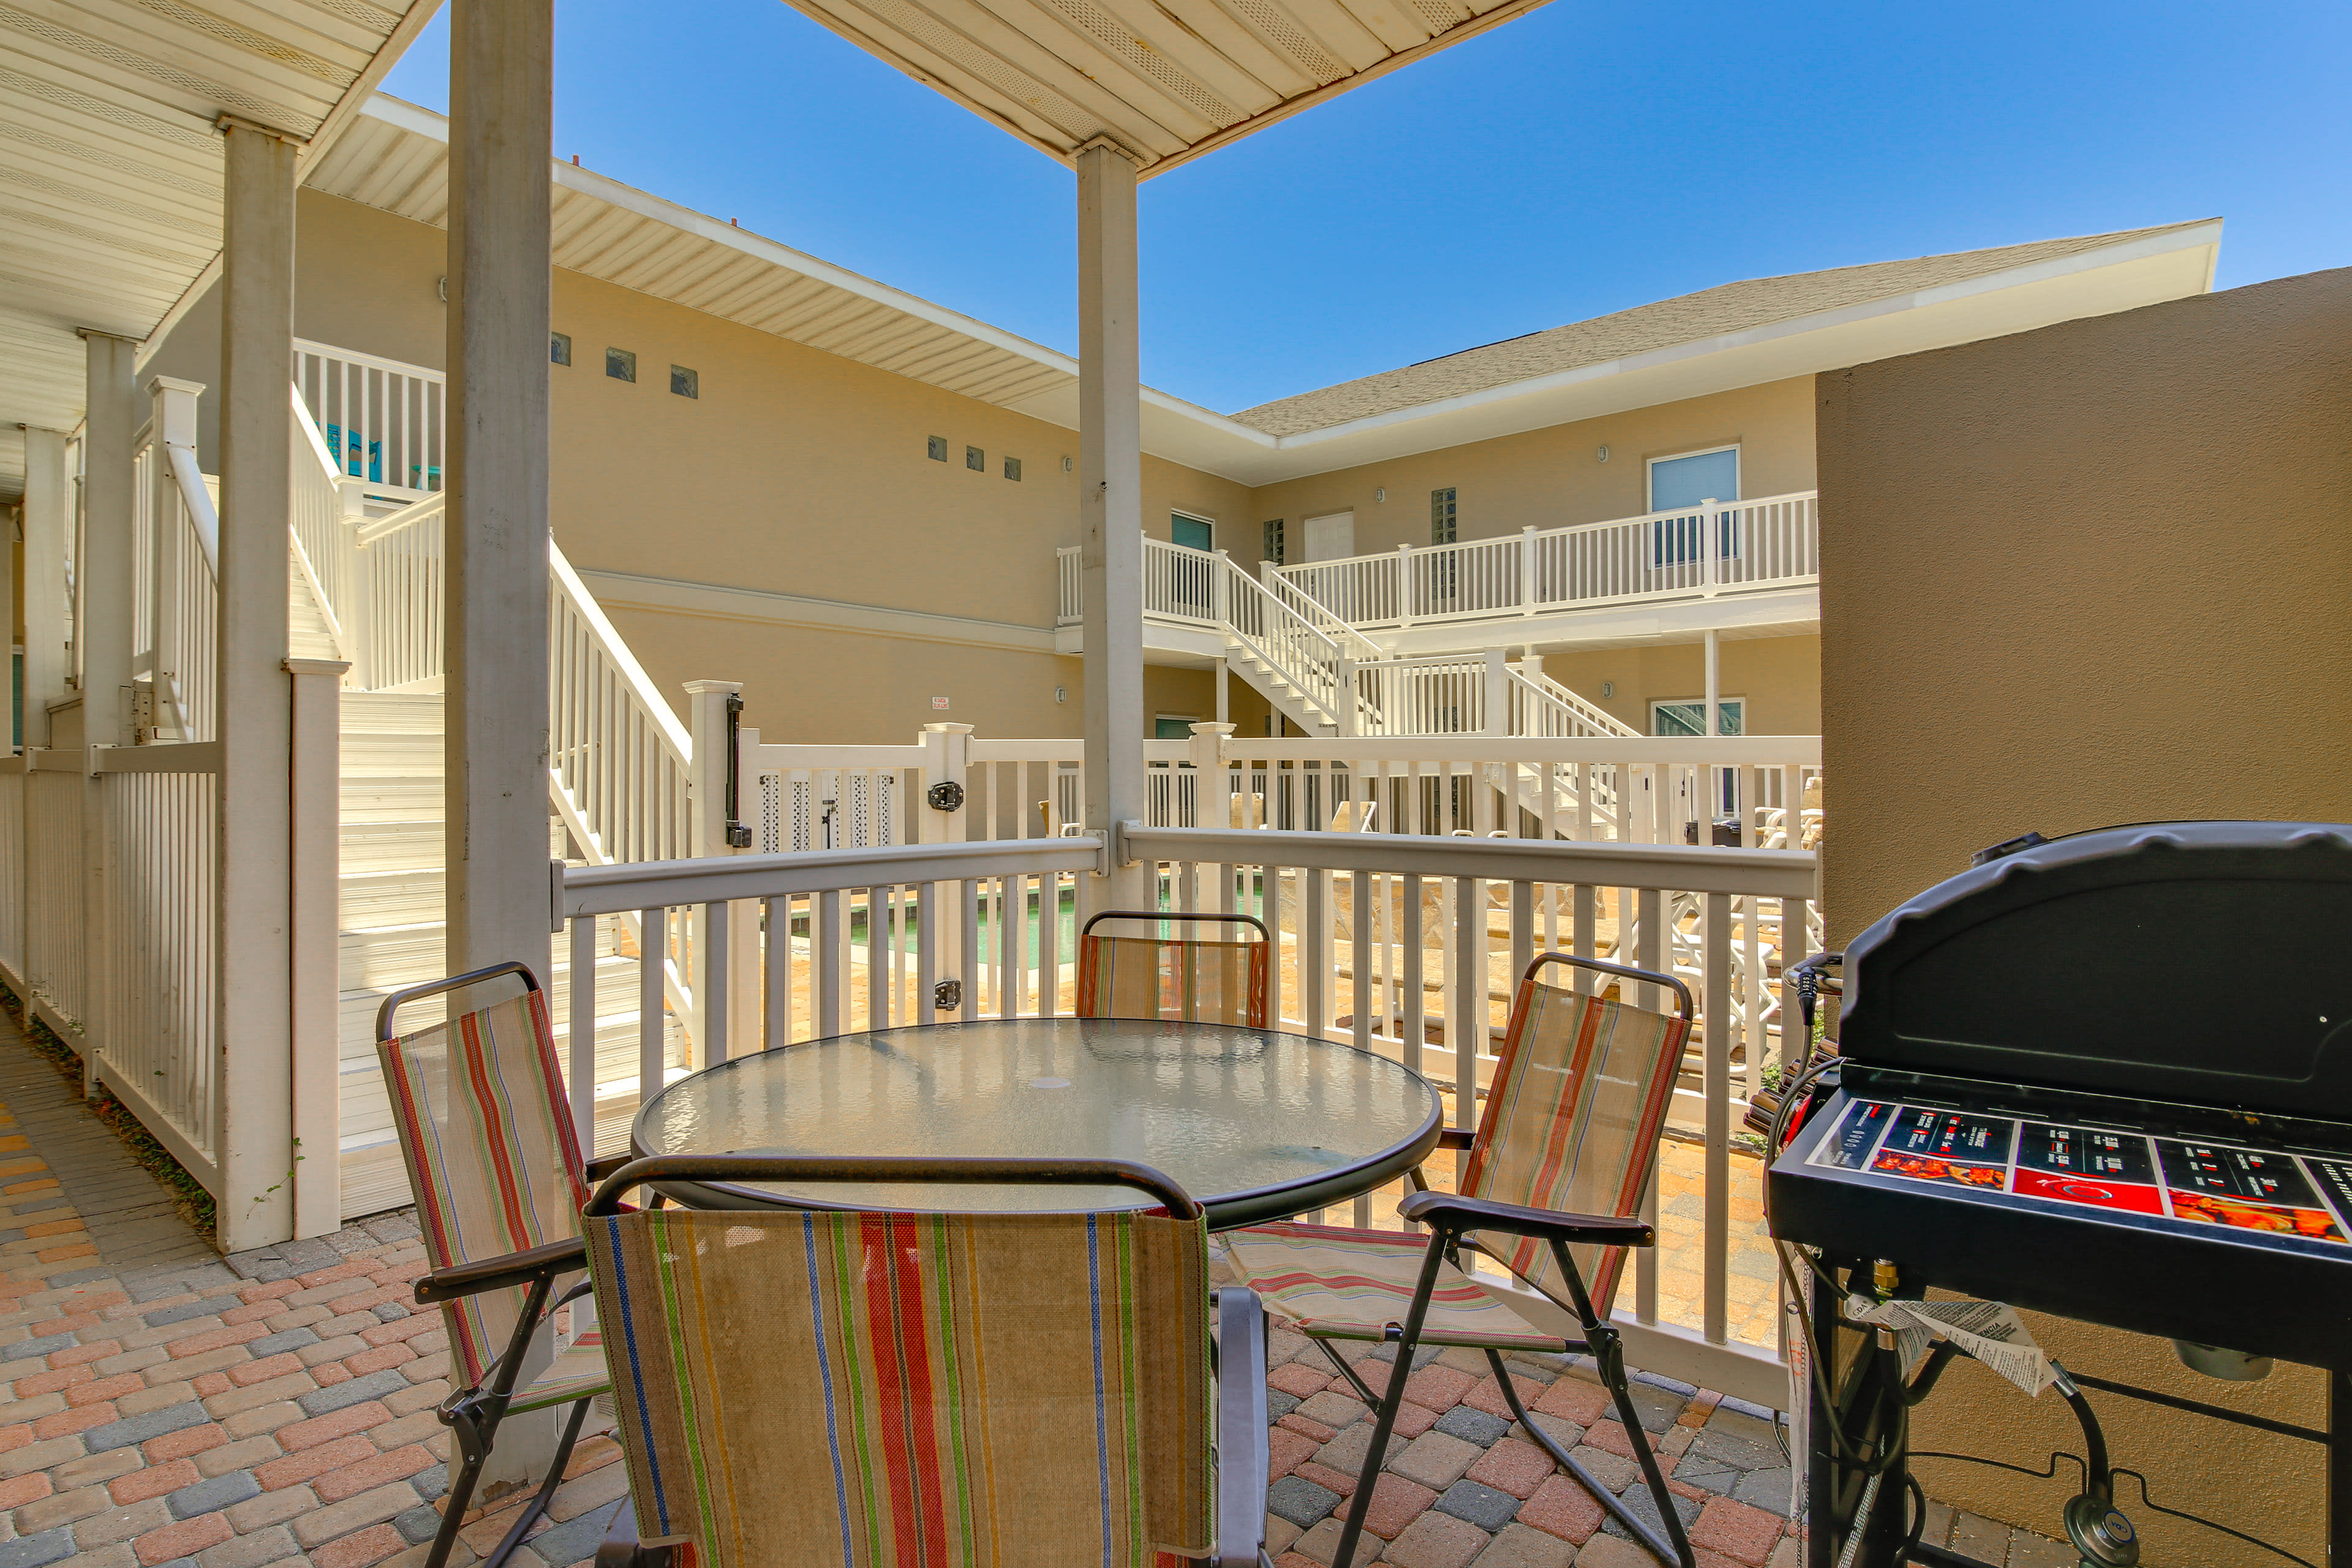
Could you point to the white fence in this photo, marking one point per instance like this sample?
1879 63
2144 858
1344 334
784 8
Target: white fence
1401 931
1696 552
380 420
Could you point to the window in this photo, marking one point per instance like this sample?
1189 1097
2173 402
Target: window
559 348
620 365
1012 467
1679 485
975 459
1172 726
1441 516
1688 716
1193 532
1274 541
939 450
684 383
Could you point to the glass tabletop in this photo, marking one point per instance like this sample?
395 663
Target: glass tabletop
1257 1125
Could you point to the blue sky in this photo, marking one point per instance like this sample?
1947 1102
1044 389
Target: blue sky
1580 160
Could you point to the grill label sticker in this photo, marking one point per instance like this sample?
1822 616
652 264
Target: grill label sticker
2085 1165
1948 1146
2245 1189
1848 1147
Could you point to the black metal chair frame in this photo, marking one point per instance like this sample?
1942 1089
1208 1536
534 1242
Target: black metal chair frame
1454 1222
473 1414
1237 1352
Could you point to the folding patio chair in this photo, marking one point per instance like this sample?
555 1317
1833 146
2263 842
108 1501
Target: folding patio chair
868 1390
1153 976
493 1158
1562 1154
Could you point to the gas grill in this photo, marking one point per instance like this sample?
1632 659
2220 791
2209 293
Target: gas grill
2107 1077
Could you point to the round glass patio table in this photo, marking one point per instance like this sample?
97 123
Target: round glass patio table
1255 1124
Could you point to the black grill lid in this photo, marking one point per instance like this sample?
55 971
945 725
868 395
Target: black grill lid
2208 962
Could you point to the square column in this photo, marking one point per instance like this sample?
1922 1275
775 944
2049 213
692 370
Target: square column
110 494
501 71
255 940
47 514
1110 503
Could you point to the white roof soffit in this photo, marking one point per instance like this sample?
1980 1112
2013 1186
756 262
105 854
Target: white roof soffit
396 158
111 168
2136 272
1167 80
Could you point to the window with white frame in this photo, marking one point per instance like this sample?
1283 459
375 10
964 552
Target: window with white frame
1681 487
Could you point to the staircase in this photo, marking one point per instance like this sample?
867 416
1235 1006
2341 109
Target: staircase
365 582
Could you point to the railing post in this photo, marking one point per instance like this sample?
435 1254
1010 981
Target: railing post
706 825
1709 541
357 613
1497 694
1212 792
316 862
1528 570
947 753
1343 695
1217 599
1404 586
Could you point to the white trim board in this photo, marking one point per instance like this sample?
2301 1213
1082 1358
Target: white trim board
671 595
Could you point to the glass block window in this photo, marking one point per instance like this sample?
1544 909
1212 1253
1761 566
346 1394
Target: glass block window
1012 467
684 382
938 452
559 348
620 365
1441 516
1274 541
975 459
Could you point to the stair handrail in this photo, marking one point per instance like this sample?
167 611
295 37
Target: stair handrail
321 535
1581 716
1284 630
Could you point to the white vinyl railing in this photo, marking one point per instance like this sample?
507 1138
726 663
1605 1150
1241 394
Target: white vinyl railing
1405 946
395 606
1695 553
176 559
325 551
380 420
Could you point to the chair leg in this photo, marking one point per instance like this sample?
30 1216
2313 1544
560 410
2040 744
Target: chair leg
530 1516
461 1495
1336 1359
1360 1505
1678 1552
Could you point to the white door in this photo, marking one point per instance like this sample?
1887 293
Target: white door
1332 538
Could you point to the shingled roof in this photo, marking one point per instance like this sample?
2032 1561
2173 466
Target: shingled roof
1690 318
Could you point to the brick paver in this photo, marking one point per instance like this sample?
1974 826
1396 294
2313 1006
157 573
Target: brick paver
277 1409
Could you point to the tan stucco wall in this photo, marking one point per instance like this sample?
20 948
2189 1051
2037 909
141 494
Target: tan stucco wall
1778 677
1551 477
2094 574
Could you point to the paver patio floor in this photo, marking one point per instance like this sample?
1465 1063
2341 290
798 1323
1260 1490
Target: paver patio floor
163 1407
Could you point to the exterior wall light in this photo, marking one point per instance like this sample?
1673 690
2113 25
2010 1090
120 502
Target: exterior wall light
1602 455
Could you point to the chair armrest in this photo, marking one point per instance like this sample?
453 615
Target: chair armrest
599 1169
1242 1447
1453 1212
1456 1137
566 1256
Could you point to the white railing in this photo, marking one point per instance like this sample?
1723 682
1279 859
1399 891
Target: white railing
55 972
326 551
1404 945
152 1041
1542 706
176 558
382 421
618 760
396 599
1693 553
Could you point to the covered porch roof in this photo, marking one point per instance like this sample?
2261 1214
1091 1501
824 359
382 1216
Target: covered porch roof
111 189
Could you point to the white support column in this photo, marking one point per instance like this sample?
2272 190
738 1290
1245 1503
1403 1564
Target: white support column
501 76
255 940
500 72
1223 685
1212 792
317 954
1497 694
109 493
1110 504
947 753
1714 683
174 412
11 530
49 515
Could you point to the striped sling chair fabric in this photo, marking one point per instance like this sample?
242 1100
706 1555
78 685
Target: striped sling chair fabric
1572 1124
1189 979
864 1390
496 1168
